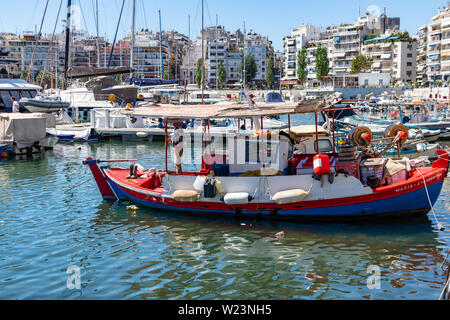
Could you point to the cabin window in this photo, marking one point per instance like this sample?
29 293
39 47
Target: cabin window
15 94
324 146
26 94
6 99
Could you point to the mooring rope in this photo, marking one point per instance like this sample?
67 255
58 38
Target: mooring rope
440 226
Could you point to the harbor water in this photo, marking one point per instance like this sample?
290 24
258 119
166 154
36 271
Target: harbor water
53 219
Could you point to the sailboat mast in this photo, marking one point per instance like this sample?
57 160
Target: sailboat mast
66 54
203 55
160 46
243 54
132 39
217 70
189 48
98 43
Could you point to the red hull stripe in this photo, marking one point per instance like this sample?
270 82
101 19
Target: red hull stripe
432 175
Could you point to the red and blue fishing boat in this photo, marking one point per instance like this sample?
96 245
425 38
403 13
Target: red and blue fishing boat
263 174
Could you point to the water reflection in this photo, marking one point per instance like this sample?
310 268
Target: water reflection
52 216
201 258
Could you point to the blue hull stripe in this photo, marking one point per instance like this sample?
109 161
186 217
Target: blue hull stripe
412 201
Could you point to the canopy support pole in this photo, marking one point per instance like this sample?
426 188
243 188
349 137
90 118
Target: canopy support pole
262 143
317 133
334 136
289 122
165 142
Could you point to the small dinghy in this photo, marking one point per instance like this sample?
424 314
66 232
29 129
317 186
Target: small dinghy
43 104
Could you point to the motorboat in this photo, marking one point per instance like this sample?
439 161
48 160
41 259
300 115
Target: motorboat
41 103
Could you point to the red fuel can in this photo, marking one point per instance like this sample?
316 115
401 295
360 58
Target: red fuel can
321 164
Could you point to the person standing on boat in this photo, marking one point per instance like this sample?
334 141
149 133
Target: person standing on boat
177 141
15 105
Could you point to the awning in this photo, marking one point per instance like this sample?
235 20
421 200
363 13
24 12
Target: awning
385 56
385 45
445 54
382 38
376 65
288 82
336 38
433 57
239 111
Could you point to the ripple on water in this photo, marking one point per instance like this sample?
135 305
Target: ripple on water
52 216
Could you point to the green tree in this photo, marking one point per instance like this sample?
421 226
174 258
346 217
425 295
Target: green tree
198 74
250 68
322 63
269 73
221 74
43 78
302 63
24 74
361 63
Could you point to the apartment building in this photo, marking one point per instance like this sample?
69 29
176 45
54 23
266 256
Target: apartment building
260 47
343 42
421 62
221 45
433 49
147 56
10 59
293 43
391 55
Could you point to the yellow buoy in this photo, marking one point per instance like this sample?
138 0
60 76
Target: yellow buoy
112 97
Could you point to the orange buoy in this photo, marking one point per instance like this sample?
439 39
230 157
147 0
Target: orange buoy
3 155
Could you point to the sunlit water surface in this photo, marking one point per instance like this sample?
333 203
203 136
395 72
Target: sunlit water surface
52 216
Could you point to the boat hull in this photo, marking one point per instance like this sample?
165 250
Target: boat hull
410 203
396 200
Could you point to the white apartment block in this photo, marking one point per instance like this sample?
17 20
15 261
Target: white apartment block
398 58
421 63
343 42
293 43
261 49
217 51
435 37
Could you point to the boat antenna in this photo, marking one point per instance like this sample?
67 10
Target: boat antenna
66 54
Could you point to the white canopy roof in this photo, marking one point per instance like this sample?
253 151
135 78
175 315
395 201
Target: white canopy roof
17 84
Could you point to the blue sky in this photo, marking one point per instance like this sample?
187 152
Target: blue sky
274 18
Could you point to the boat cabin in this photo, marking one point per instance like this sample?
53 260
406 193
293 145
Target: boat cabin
17 88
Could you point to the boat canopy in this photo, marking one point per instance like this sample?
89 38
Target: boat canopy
235 110
22 128
17 84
